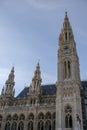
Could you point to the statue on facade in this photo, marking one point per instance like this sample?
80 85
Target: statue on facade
78 122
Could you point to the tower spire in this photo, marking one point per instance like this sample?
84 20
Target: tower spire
8 90
67 50
10 80
66 13
36 81
66 34
68 97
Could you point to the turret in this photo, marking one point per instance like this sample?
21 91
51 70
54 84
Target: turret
35 87
8 89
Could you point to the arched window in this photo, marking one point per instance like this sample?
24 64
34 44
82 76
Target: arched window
54 125
9 118
41 125
67 69
65 35
41 116
22 117
7 126
21 126
31 116
41 121
48 125
68 121
30 125
15 117
68 117
14 126
48 115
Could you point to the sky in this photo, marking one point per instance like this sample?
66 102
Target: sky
29 31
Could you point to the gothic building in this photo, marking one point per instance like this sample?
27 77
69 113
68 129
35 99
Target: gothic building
59 106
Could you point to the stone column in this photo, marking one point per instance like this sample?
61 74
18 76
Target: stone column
25 125
36 117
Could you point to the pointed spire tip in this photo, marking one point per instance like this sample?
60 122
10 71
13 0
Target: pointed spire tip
66 13
38 63
12 69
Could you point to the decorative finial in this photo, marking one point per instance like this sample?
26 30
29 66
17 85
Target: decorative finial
13 68
66 14
38 62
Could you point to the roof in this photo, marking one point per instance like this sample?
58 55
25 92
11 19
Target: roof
23 93
84 84
47 90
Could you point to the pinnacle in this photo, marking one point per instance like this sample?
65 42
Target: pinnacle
65 14
66 31
66 23
66 19
12 70
38 65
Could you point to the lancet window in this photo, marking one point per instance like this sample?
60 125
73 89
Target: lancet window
14 126
41 121
67 69
31 122
21 126
15 117
8 126
68 117
65 35
41 125
30 125
22 117
48 125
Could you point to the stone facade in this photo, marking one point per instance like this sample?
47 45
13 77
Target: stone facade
60 106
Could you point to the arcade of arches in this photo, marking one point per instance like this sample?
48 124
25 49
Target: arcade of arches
15 122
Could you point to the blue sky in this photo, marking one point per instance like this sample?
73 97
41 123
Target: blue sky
29 31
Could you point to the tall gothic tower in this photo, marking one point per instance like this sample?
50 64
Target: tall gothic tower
68 100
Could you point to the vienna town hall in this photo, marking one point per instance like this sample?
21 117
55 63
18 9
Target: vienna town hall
60 106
